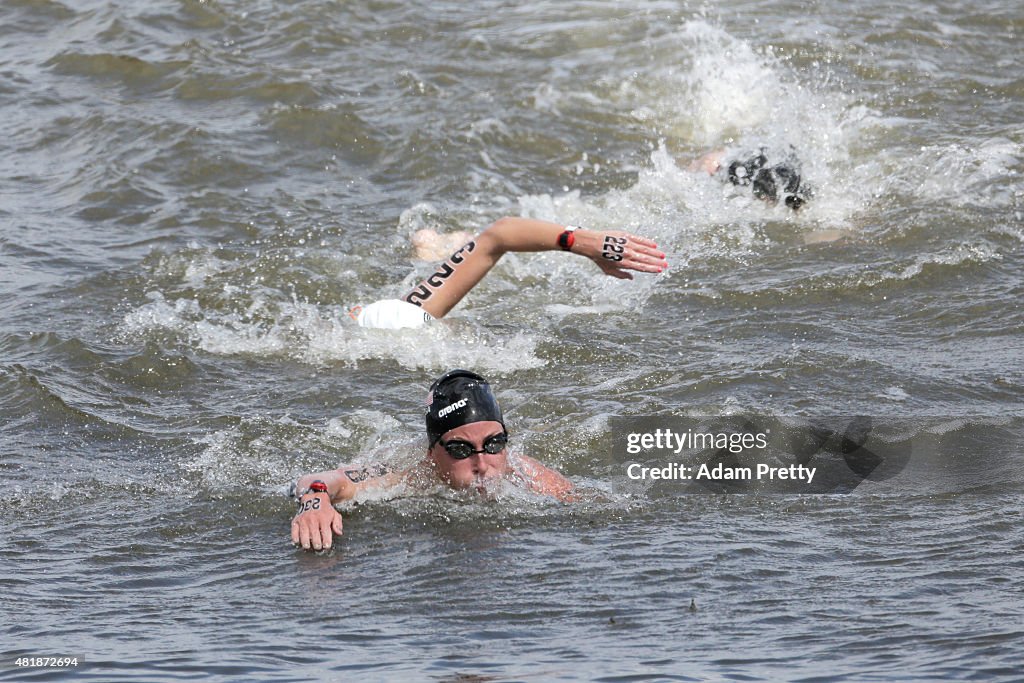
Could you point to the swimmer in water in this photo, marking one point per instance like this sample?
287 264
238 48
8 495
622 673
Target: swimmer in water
467 448
615 252
767 181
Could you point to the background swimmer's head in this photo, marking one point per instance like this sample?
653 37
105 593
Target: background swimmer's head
457 398
768 182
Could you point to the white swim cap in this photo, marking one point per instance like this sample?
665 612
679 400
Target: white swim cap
392 314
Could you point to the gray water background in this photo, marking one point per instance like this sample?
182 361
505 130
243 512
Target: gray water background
193 193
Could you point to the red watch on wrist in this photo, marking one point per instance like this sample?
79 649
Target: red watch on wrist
567 238
318 487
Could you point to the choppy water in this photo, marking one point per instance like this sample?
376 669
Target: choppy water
194 192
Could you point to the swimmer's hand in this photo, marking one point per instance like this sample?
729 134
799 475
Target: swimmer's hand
316 522
617 252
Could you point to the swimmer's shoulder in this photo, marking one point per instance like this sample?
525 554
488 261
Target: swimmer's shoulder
543 479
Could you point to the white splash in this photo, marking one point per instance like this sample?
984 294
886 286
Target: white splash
322 335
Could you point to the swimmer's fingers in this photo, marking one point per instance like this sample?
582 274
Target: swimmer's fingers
643 255
326 537
328 524
614 270
315 529
300 533
638 241
617 251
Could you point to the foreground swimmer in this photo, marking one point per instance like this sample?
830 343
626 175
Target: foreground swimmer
615 252
466 448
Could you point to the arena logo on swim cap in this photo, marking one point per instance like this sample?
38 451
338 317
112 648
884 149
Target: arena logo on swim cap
451 408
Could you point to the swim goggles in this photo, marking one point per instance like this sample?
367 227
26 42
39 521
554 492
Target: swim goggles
460 450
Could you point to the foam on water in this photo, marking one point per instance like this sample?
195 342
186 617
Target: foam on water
271 453
953 174
317 335
714 91
724 90
959 255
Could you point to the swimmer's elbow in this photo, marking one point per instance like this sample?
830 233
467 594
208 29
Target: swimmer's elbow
496 239
504 224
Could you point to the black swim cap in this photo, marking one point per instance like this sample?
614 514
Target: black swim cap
742 172
768 182
456 398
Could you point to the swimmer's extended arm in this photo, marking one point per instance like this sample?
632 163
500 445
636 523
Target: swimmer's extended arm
615 252
316 521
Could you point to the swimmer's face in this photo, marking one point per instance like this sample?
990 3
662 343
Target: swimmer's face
478 468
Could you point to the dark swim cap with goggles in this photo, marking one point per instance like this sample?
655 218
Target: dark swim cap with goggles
458 398
770 181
